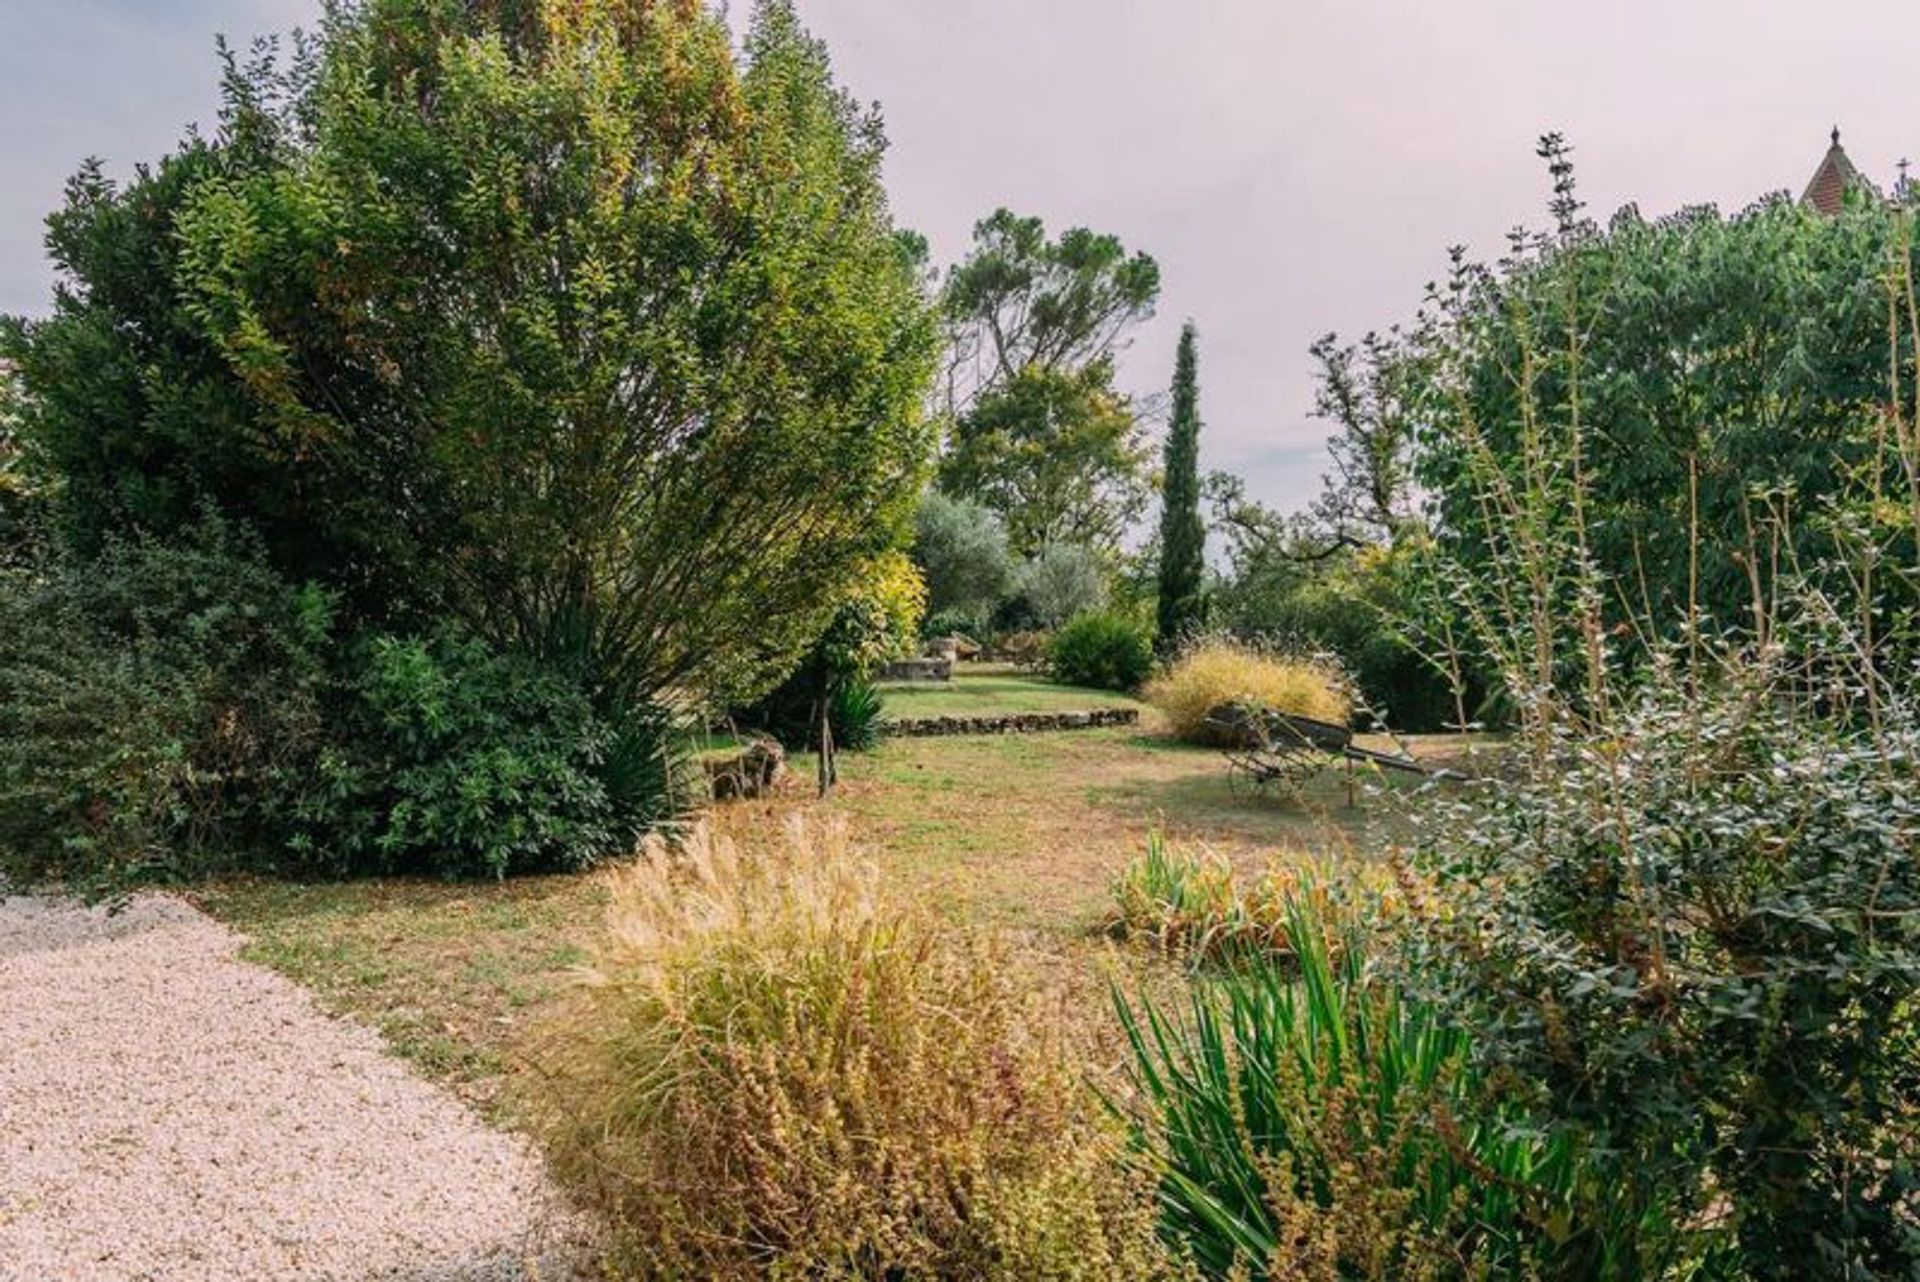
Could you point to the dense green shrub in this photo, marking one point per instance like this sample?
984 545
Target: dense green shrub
1686 935
1732 367
949 623
158 702
454 759
1695 942
1358 609
1104 651
172 709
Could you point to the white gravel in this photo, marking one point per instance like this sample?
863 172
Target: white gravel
168 1111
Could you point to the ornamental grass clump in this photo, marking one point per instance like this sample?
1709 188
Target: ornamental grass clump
1218 671
1193 906
768 1071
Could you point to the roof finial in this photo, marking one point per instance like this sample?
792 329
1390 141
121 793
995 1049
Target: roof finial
1836 135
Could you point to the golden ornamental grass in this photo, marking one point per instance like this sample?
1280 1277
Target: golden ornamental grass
1218 671
770 1072
1192 905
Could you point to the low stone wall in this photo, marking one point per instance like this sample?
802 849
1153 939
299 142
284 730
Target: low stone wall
1011 723
928 669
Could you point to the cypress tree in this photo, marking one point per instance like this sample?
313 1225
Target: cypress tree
1183 536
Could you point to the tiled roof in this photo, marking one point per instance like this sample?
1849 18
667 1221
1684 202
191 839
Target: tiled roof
1835 177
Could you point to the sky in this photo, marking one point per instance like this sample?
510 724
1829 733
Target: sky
1296 167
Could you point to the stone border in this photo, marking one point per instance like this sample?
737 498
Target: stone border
1010 723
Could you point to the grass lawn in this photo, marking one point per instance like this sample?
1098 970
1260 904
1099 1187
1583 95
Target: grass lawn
986 690
1022 832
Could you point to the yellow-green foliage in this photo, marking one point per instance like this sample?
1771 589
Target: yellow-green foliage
1218 671
1194 906
769 1073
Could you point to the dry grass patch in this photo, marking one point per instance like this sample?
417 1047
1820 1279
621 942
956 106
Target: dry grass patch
1024 834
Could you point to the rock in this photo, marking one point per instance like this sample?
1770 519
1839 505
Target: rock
746 774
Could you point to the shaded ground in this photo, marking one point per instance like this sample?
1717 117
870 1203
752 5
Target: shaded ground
168 1111
1021 831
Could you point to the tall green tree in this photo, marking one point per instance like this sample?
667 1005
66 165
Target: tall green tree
1183 534
1037 430
1058 455
565 319
1717 384
1021 301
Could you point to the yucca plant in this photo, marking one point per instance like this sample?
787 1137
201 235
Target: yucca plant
1305 1119
856 709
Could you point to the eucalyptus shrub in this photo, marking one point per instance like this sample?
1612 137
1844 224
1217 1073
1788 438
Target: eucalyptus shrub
961 549
1062 580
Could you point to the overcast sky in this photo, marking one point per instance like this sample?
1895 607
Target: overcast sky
1296 167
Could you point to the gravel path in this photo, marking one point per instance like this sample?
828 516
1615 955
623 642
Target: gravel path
168 1111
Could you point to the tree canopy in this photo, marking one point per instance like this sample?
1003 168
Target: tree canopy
1038 432
1724 376
961 549
1021 301
564 320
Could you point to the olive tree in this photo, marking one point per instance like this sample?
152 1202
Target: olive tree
961 549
